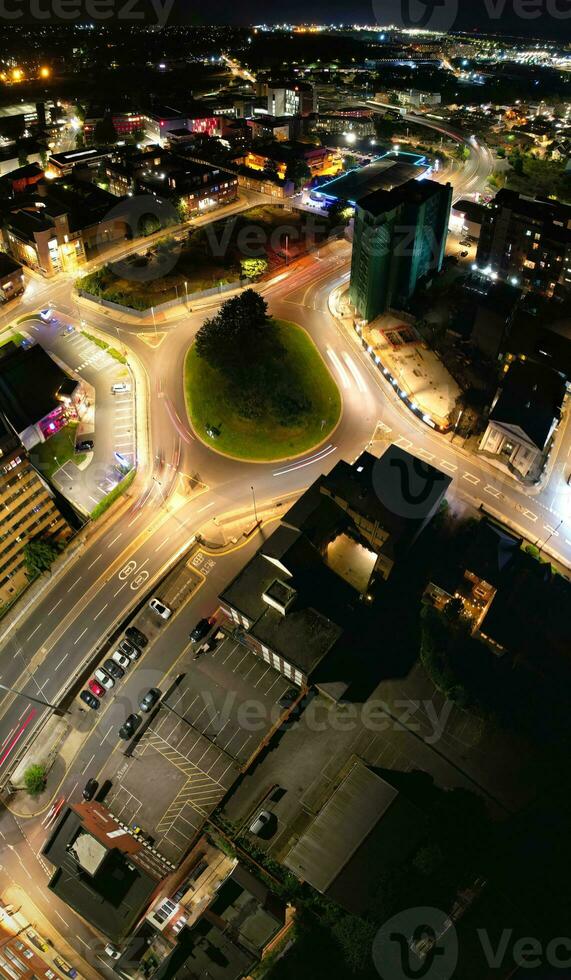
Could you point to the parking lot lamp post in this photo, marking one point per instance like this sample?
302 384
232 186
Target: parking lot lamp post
254 499
186 291
30 697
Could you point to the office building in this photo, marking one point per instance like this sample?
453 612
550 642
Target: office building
11 278
414 98
527 241
290 98
399 237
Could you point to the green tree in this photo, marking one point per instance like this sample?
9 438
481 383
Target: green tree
252 268
349 161
39 555
105 131
355 937
22 156
298 171
35 779
234 338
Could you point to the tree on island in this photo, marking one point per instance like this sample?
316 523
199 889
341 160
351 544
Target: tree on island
35 779
105 131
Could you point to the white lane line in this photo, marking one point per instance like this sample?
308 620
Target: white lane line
74 583
75 642
100 611
355 372
448 466
115 539
492 491
205 508
65 656
98 556
339 367
33 633
106 734
161 545
470 478
60 917
53 609
87 764
311 459
553 532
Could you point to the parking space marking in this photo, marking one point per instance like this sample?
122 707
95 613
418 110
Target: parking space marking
471 478
448 466
492 491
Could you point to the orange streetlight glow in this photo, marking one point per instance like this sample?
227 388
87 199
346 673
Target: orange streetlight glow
17 74
45 73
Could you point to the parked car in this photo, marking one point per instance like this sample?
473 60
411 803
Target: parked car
104 679
129 727
129 649
90 789
37 941
119 387
149 699
261 822
202 627
113 669
90 699
160 608
121 659
134 634
463 254
112 951
85 446
96 688
62 965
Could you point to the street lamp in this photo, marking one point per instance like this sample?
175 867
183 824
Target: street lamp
30 697
254 499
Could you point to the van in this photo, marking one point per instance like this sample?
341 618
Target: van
119 387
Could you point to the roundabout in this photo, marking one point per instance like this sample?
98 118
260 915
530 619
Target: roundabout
214 411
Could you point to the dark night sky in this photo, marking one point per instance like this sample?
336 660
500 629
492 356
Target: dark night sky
475 15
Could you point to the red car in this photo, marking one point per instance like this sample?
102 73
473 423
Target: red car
96 688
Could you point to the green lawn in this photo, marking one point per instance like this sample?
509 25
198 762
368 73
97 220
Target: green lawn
48 456
17 338
209 403
114 495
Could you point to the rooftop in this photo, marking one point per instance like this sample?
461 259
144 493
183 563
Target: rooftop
384 174
412 192
29 384
530 399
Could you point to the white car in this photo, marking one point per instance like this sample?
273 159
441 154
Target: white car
159 607
112 951
121 659
261 822
119 387
104 679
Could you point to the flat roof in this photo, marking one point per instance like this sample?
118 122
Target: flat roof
29 383
385 174
530 398
341 826
8 265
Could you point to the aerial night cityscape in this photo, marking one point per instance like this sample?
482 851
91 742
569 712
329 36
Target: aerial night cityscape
285 490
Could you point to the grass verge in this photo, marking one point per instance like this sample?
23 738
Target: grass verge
209 403
104 346
117 492
49 456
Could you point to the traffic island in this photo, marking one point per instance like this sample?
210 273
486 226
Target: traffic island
267 426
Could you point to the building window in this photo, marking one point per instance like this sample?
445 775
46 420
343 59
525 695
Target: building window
297 678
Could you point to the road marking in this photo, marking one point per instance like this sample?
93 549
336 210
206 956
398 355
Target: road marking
115 539
424 454
61 917
205 508
17 736
34 632
447 465
87 764
158 548
75 642
493 491
98 556
106 734
470 478
403 443
553 532
65 656
53 609
100 611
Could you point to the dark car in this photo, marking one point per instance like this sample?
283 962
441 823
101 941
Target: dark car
132 633
129 726
85 446
90 789
201 629
463 254
90 699
103 789
129 649
149 700
114 670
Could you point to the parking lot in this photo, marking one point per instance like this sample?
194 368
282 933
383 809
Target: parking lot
210 725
